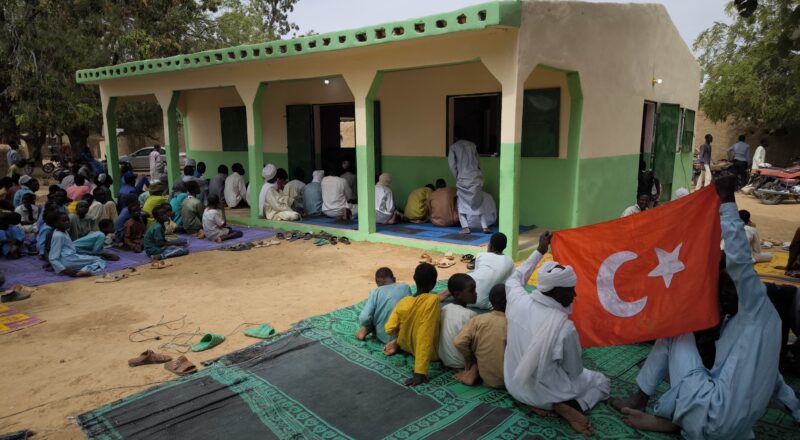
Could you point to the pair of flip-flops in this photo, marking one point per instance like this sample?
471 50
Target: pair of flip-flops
111 277
470 260
266 243
160 264
181 366
209 341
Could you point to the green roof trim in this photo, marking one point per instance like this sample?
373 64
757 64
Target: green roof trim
481 16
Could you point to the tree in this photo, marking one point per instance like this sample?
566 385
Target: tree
254 21
752 65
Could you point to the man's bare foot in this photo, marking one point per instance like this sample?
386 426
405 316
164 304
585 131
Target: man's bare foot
82 274
487 231
637 400
575 418
416 379
390 349
155 257
200 234
646 422
465 231
362 333
539 412
217 240
468 376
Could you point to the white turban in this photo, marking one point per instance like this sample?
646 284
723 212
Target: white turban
317 176
269 172
24 180
552 275
385 179
680 192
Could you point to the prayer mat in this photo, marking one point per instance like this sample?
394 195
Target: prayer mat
769 272
28 270
318 381
12 320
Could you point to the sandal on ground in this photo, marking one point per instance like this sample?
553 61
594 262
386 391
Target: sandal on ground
14 296
425 258
471 265
344 240
274 241
449 256
149 357
294 237
333 240
467 258
444 263
110 277
307 236
321 242
160 264
280 236
181 366
263 331
209 341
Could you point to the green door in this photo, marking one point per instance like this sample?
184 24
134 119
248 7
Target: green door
667 126
300 138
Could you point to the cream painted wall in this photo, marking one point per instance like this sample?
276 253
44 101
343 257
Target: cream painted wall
201 110
280 94
618 49
414 106
542 78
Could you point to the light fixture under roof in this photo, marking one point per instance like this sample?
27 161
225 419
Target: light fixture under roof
326 81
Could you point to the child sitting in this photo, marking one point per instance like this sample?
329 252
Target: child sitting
415 323
64 257
29 213
482 342
454 316
379 306
106 226
155 242
214 224
134 228
12 239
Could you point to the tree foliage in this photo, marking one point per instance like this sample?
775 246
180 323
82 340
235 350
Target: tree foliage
43 43
752 65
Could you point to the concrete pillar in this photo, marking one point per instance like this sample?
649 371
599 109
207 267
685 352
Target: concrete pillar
252 95
168 100
109 105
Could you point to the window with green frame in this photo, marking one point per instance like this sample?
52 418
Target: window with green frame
233 122
541 122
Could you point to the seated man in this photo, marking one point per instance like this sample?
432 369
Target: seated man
543 366
278 205
337 197
12 239
236 188
215 227
30 214
156 198
63 255
27 185
79 188
454 316
102 207
642 204
312 195
84 234
417 209
155 242
482 342
727 400
134 229
415 323
192 210
442 204
385 211
380 304
217 184
294 189
80 225
793 264
491 268
179 194
753 239
483 218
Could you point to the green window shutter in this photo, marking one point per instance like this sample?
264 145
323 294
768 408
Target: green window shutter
541 121
233 121
687 137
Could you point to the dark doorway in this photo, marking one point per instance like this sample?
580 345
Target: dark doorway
337 133
478 116
300 138
648 136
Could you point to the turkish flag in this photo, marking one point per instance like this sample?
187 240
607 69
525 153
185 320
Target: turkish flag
646 276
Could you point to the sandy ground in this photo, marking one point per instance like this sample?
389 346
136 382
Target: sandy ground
83 347
77 360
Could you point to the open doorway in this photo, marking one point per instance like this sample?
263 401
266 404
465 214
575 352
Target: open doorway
648 136
337 133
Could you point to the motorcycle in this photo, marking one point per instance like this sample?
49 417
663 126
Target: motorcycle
777 184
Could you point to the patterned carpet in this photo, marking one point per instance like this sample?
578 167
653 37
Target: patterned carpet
318 381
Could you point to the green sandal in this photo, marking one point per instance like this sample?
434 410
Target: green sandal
321 242
263 331
210 340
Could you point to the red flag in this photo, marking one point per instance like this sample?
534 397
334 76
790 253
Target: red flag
647 276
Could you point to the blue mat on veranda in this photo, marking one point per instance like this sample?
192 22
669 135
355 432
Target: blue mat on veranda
28 270
317 381
424 231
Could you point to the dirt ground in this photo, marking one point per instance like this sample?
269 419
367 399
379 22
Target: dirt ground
77 359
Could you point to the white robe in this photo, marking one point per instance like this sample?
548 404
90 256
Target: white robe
542 362
235 190
384 204
277 206
262 196
336 194
466 168
759 157
294 189
482 218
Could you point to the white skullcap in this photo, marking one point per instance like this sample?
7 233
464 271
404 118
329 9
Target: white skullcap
385 179
680 192
317 175
25 179
552 275
190 163
269 172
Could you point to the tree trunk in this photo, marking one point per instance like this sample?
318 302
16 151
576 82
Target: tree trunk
78 139
35 142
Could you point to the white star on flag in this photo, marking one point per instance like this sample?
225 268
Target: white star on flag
668 264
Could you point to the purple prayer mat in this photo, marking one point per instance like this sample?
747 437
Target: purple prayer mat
28 270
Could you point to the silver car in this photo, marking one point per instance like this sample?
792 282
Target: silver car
140 159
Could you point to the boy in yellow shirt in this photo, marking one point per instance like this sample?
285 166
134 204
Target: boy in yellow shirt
415 322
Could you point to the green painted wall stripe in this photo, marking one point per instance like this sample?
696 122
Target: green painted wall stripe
481 16
607 186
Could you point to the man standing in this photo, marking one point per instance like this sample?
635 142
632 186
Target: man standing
12 157
157 164
704 156
727 400
466 168
543 366
739 154
759 157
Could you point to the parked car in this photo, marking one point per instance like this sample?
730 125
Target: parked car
140 159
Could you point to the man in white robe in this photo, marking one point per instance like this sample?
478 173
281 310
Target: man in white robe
268 173
295 187
385 210
543 366
236 188
158 167
466 168
337 197
482 218
277 204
